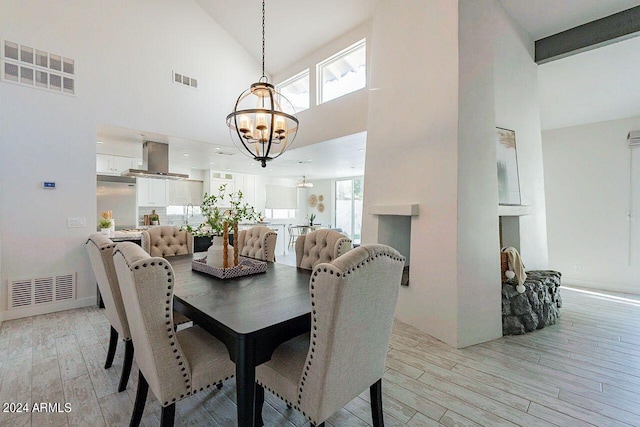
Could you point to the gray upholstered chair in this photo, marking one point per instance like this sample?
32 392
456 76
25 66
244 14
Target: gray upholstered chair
320 246
166 240
353 300
258 242
100 250
173 364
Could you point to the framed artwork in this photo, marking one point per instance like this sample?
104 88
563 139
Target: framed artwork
508 181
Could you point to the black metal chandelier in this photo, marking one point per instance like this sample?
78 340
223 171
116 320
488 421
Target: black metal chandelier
258 125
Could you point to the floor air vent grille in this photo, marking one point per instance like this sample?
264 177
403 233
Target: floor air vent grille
41 290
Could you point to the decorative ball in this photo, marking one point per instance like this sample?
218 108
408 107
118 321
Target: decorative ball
520 288
509 274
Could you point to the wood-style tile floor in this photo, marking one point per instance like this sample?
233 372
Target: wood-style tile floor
583 371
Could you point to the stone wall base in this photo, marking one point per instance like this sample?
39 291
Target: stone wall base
535 308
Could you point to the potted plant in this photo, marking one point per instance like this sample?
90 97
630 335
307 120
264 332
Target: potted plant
312 218
154 219
216 210
105 225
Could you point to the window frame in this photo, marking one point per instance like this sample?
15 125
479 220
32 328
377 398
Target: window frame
344 52
291 80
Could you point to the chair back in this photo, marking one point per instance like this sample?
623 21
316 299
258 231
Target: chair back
320 246
353 300
258 242
100 249
147 284
167 240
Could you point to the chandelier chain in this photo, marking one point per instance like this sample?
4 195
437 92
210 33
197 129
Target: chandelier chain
263 74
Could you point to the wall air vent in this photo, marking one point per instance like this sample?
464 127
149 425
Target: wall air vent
41 290
185 80
36 68
634 137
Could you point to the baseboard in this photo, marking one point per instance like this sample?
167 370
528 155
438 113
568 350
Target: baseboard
48 308
567 281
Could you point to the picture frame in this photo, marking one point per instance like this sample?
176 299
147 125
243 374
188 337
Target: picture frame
507 164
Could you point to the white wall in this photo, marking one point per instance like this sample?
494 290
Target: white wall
478 281
124 56
471 70
517 107
590 189
412 153
342 116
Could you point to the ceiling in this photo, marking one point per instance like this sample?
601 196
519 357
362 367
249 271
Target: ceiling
592 86
293 28
341 157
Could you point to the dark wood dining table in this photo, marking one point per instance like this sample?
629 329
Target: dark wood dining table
251 315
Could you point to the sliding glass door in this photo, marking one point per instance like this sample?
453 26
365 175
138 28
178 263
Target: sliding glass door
348 205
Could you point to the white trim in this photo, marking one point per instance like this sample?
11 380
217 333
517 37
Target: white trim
568 282
48 308
402 210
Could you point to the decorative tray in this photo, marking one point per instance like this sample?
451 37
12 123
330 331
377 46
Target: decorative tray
245 267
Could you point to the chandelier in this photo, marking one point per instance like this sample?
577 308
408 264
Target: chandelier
258 125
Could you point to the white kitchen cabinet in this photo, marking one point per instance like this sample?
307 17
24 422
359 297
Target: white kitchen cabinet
247 184
152 192
107 164
214 179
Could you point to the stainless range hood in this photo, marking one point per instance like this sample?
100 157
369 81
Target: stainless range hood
155 161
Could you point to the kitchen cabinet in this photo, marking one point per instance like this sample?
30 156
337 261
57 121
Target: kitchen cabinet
247 184
213 180
152 192
107 164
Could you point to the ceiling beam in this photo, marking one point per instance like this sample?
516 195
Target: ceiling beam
601 32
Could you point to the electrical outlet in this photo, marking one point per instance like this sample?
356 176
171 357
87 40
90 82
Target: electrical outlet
76 222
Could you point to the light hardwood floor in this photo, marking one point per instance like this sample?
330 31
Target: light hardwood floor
583 371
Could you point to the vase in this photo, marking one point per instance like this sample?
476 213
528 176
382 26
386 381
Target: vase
215 255
105 231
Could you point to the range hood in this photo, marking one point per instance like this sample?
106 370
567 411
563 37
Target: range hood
155 163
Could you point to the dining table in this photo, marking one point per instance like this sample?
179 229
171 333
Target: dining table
252 315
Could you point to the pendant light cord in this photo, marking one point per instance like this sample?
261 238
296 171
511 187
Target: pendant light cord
263 74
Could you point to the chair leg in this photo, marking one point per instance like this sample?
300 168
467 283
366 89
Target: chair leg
113 343
168 415
375 391
141 399
258 403
126 368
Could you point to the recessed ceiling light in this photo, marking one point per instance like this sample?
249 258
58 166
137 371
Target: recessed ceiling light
218 148
99 142
362 149
186 154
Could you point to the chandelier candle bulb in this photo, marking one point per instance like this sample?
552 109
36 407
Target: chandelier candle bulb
245 124
261 121
280 125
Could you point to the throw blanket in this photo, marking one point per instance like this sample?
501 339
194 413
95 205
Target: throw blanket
514 263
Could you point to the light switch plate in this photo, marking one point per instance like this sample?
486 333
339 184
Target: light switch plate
76 222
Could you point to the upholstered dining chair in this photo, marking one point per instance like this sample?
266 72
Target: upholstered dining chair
258 242
320 246
173 364
353 300
100 250
167 240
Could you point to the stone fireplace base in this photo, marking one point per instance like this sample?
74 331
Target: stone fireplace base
535 308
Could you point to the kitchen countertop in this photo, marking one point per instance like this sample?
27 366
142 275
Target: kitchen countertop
126 235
